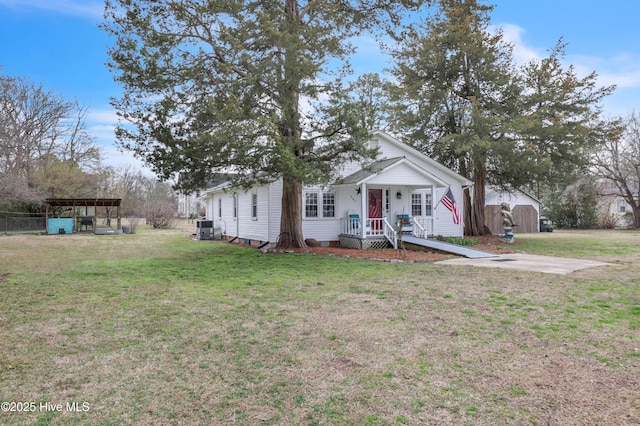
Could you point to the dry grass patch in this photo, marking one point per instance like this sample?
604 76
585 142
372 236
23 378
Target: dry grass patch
155 328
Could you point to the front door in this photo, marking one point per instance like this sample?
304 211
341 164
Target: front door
375 207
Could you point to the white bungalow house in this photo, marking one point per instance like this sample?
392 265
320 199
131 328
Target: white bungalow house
361 209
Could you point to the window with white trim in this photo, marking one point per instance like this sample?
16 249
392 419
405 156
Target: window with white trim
328 204
416 204
319 204
311 204
428 205
235 206
622 206
254 206
219 207
421 204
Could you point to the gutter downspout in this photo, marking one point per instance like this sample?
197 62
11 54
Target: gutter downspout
269 213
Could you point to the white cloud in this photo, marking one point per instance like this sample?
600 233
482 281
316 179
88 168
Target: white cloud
105 133
621 69
115 157
103 116
521 52
101 123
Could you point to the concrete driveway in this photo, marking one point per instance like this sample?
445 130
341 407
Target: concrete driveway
529 262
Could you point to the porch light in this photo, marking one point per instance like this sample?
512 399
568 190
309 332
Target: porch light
399 195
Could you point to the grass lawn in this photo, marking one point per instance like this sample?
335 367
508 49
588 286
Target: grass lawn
154 328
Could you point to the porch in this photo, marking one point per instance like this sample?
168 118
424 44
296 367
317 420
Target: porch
386 199
379 233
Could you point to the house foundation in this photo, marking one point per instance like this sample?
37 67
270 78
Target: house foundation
349 241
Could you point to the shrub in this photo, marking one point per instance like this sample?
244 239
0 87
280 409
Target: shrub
461 241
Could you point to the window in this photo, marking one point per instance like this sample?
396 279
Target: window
421 204
311 204
254 206
235 206
386 200
416 204
219 207
319 204
328 204
622 206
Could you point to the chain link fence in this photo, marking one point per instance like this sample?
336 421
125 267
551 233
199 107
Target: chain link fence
25 224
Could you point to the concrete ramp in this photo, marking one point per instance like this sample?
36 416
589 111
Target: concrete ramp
447 247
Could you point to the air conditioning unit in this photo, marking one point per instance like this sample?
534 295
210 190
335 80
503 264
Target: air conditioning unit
204 230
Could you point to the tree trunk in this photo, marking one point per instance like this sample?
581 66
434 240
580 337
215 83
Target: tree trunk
474 216
635 207
291 216
468 207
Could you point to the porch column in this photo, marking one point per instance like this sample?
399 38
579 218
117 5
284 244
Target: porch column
365 210
433 210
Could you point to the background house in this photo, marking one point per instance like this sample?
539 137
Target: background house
613 209
189 205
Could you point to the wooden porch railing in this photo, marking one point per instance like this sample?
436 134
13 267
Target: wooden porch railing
390 233
350 226
418 229
424 227
375 227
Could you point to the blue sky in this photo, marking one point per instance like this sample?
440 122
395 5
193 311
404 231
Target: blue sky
58 43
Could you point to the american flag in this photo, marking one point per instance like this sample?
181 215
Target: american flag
450 203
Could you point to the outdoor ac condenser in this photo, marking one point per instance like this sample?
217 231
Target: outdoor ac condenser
204 229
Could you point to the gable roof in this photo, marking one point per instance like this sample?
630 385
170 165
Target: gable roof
492 192
430 161
379 167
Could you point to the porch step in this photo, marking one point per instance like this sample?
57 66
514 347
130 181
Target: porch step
448 247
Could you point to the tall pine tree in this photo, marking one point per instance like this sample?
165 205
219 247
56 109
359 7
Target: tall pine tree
462 99
238 86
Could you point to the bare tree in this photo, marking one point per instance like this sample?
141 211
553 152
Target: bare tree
45 148
618 161
160 206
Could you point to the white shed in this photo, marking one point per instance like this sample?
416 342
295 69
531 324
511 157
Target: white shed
524 208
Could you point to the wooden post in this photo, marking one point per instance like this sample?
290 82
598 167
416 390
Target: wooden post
365 210
46 217
75 218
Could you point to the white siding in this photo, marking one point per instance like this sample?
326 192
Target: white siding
349 168
244 225
402 174
276 210
254 228
347 202
402 178
227 221
517 198
444 224
322 228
